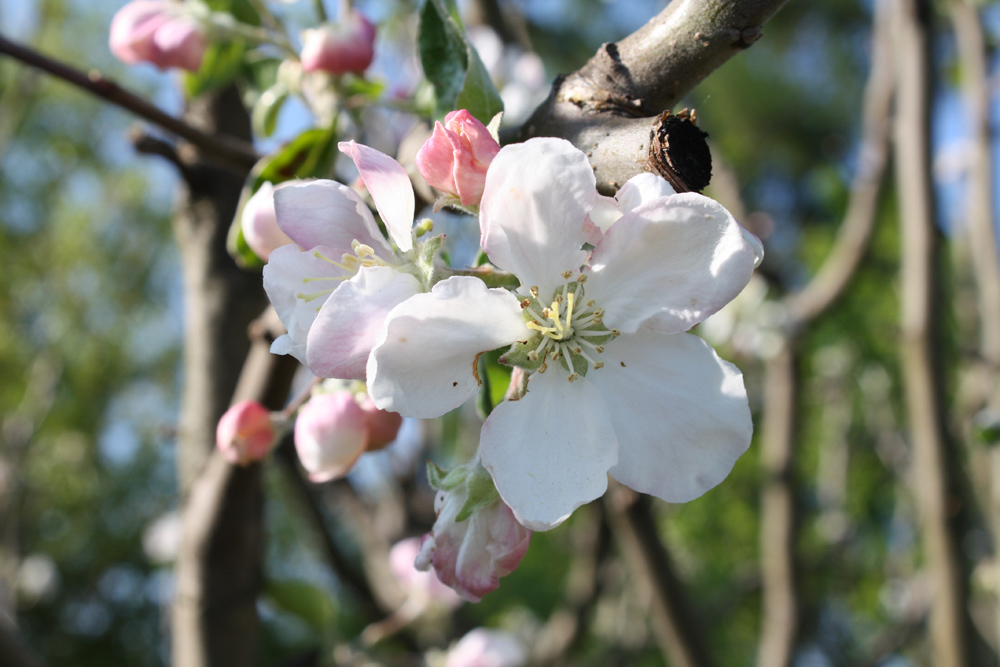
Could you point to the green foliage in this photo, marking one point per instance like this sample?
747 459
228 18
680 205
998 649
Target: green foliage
452 64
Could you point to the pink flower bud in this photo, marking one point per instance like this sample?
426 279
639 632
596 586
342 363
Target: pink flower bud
260 224
156 31
487 648
472 555
383 426
245 434
339 48
331 432
454 160
414 583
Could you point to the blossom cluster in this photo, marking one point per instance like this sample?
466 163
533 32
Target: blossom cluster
590 298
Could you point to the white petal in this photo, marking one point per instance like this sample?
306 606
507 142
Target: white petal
641 189
677 259
680 413
327 213
536 199
389 186
289 273
345 329
424 362
550 451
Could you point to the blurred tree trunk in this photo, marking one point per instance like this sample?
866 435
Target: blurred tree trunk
218 570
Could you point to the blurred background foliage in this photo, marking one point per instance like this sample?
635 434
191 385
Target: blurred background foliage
90 341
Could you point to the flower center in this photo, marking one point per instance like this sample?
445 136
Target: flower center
349 263
571 329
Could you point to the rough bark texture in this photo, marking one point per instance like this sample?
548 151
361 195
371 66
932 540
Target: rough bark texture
933 451
609 108
218 569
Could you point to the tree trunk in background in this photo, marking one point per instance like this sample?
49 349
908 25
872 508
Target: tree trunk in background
218 569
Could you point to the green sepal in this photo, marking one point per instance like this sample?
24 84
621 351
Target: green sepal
482 493
445 480
517 355
267 108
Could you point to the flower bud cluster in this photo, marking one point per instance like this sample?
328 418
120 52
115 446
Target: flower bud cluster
158 32
339 48
455 159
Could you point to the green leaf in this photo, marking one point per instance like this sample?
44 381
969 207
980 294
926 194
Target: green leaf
453 66
220 66
306 601
267 108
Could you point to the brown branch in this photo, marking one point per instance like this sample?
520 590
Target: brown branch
933 452
226 150
675 625
607 107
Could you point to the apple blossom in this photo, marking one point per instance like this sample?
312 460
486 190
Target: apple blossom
260 224
482 647
245 433
158 32
333 290
454 160
334 428
423 586
476 539
616 386
339 48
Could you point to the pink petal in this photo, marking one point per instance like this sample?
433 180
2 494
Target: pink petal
389 186
680 413
327 213
536 198
345 329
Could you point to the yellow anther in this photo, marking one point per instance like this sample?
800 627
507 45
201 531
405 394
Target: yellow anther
581 279
598 364
350 262
525 303
572 377
532 356
534 291
566 274
616 333
362 250
591 303
600 349
544 367
577 350
554 356
559 299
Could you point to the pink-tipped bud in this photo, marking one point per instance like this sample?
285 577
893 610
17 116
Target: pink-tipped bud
454 160
260 224
331 432
158 32
383 426
482 647
471 555
339 48
245 434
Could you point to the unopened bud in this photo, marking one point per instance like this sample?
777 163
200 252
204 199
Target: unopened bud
260 224
158 32
330 434
339 48
245 433
455 159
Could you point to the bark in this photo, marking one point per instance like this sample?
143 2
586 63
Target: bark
610 107
214 618
933 451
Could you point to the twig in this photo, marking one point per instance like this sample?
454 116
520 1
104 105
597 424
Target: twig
933 453
226 150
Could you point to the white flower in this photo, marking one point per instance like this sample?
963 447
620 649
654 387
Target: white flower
482 647
617 387
333 290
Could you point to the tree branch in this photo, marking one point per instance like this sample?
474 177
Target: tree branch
933 453
222 149
610 107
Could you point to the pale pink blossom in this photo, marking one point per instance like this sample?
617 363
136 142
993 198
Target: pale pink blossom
455 159
245 433
260 224
330 435
339 48
476 539
334 288
482 647
616 386
158 32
